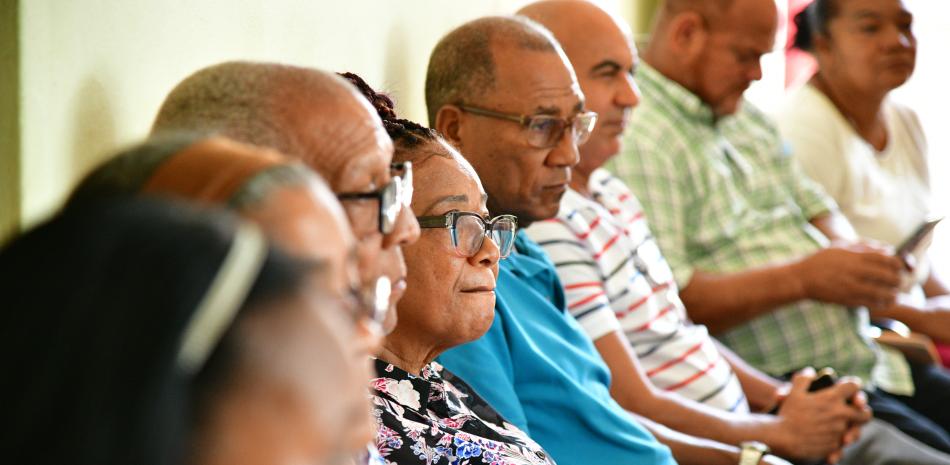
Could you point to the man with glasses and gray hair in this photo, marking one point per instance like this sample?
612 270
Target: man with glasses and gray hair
320 119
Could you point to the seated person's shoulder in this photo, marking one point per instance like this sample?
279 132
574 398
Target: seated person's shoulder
749 119
658 145
614 194
906 116
807 114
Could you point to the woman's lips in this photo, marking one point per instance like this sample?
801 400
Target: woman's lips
478 289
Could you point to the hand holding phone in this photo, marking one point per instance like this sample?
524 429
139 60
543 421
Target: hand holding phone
910 244
825 378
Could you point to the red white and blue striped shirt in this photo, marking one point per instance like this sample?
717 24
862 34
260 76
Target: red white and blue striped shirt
615 277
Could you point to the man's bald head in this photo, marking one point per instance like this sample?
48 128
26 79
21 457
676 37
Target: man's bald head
578 25
462 65
709 10
305 113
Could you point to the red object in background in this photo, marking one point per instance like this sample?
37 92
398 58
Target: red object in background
799 65
944 351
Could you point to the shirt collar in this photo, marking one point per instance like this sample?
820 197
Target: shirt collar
679 98
527 258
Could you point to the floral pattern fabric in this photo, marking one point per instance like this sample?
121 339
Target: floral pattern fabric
435 418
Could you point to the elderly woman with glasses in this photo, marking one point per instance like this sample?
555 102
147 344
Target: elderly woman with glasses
424 413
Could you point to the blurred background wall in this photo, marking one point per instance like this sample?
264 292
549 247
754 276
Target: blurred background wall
83 77
80 78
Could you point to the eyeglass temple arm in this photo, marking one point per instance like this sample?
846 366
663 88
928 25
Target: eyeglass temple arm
441 221
523 120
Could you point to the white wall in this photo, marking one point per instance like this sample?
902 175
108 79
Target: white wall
928 93
93 72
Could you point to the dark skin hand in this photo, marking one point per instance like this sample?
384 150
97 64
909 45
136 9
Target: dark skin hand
848 272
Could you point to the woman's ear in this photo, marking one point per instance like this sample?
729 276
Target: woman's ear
448 122
687 36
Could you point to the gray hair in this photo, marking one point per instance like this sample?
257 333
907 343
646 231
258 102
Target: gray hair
249 102
462 65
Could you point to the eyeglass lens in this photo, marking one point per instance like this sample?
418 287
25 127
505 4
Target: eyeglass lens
470 234
547 130
395 196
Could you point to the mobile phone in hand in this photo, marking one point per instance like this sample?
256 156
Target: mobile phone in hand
825 378
914 240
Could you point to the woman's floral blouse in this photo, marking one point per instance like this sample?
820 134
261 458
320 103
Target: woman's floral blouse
432 419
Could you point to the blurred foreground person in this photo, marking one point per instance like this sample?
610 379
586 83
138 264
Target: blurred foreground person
293 206
139 331
290 203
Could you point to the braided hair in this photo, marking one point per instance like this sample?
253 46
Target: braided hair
406 134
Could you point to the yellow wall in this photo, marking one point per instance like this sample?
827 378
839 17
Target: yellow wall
93 72
9 119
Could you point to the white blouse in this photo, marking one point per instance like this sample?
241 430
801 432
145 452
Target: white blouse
886 195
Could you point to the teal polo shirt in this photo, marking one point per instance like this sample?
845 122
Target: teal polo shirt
536 367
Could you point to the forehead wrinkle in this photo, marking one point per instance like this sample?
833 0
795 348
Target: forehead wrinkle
346 146
453 198
556 93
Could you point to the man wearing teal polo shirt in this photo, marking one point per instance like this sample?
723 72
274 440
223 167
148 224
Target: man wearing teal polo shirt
503 92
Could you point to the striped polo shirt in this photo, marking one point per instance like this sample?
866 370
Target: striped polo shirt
615 277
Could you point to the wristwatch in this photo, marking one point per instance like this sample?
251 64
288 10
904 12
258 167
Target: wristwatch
752 452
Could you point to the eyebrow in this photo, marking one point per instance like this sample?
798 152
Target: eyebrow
606 65
455 198
554 111
865 14
540 110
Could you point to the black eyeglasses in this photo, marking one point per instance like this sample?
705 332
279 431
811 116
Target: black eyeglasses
468 231
544 131
393 197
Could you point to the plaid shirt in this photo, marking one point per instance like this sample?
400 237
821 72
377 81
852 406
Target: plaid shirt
724 196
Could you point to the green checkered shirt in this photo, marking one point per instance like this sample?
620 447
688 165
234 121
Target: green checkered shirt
724 197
